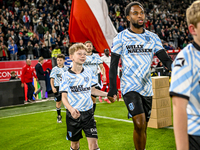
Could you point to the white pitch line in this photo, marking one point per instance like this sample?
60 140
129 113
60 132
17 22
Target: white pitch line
104 117
25 114
116 119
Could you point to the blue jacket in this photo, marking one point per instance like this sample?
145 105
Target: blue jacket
10 47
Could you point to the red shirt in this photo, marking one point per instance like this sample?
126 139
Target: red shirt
4 53
27 74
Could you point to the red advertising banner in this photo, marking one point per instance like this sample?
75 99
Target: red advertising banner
171 53
7 66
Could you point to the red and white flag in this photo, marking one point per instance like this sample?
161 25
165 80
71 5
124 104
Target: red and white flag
89 20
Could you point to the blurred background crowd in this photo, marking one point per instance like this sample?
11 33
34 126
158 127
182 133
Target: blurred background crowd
34 28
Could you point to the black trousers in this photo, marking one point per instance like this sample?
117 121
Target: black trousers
31 90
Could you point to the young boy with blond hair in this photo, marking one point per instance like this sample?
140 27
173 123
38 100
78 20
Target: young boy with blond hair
77 85
185 86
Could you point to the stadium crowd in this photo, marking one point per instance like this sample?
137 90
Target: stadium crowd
34 28
165 18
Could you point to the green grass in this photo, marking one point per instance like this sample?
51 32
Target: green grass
34 127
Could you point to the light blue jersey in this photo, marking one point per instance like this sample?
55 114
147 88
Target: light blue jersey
92 62
78 88
56 73
185 83
136 51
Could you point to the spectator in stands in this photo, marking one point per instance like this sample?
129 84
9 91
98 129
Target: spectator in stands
36 51
17 29
22 50
30 33
53 41
35 21
20 36
3 52
58 41
8 35
13 75
35 40
45 52
170 39
26 39
30 50
121 27
54 32
14 37
40 30
175 37
185 43
13 50
54 54
64 49
47 38
3 41
162 35
167 46
46 28
31 40
25 29
26 19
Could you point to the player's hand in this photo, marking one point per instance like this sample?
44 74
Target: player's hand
22 85
75 113
117 96
36 79
54 90
112 99
104 78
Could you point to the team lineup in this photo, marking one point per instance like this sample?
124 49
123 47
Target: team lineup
77 87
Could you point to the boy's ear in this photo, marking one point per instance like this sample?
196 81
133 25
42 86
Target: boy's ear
192 29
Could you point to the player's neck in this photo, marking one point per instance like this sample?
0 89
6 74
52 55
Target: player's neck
61 66
77 68
137 30
88 54
107 55
197 42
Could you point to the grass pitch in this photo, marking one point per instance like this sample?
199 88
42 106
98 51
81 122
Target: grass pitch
34 127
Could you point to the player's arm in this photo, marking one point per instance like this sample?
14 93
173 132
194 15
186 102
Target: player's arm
113 74
165 59
41 71
74 112
103 72
34 74
97 92
52 85
22 77
180 122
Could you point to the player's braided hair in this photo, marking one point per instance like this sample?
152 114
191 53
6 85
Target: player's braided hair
128 7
